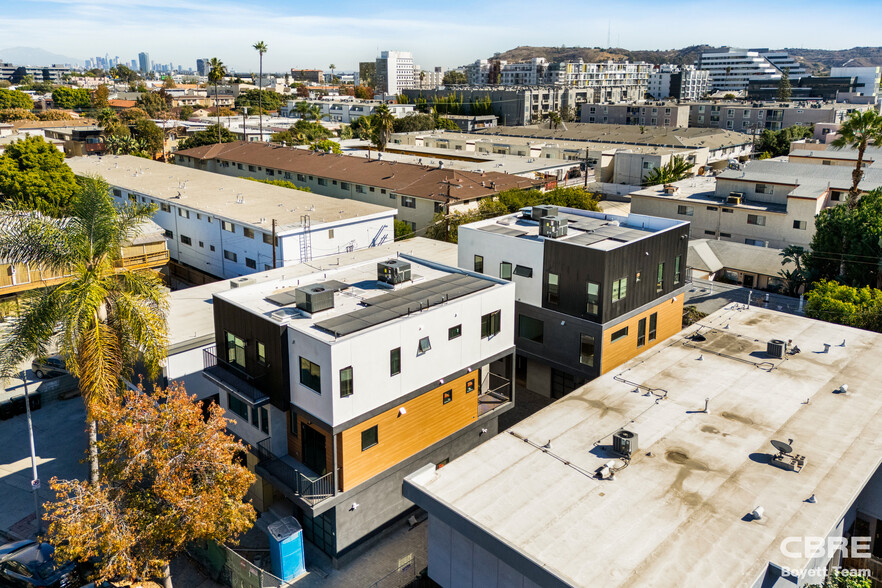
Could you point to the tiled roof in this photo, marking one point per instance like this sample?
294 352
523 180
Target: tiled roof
402 178
122 103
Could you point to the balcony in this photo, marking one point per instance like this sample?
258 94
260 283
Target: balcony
293 476
496 394
232 378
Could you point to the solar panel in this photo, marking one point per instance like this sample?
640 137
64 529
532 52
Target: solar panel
282 298
586 239
499 229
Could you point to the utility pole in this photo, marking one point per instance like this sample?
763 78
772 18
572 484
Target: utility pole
245 130
35 481
585 171
274 243
447 183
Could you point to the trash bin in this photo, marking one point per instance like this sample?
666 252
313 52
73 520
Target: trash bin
6 410
18 405
286 548
36 400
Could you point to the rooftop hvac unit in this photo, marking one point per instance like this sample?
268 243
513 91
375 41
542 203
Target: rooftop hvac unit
670 189
393 271
553 227
542 210
314 298
776 348
625 442
735 198
242 282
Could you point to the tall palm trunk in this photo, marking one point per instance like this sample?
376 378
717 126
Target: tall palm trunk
217 112
93 452
857 175
260 97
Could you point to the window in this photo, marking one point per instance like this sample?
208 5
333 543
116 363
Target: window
523 271
344 185
530 328
712 208
395 361
186 240
490 324
619 289
252 168
755 242
470 386
479 264
201 244
250 263
184 213
117 193
620 334
261 353
756 219
706 232
836 196
359 189
424 345
764 189
439 207
552 288
235 350
211 247
168 234
660 278
369 438
729 210
799 225
641 332
346 382
454 332
268 239
230 256
311 375
726 235
505 270
164 207
248 232
653 325
677 269
264 419
586 350
685 210
592 294
228 226
255 418
372 189
238 406
408 202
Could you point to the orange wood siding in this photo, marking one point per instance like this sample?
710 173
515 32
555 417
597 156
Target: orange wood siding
427 421
294 447
670 321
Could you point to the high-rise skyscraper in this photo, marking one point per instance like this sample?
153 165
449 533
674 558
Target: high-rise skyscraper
202 66
144 62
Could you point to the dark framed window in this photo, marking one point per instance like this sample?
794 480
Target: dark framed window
230 256
255 418
505 270
424 345
523 271
619 289
369 438
586 350
620 334
552 288
470 386
447 397
395 361
250 263
641 332
235 349
592 294
264 419
530 328
491 324
228 226
293 424
346 384
261 353
660 278
238 406
677 269
186 240
248 232
479 264
653 326
311 375
454 332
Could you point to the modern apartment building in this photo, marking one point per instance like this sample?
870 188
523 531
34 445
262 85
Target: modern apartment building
807 88
678 82
655 114
753 117
354 378
767 203
229 227
346 109
593 289
428 78
419 191
664 473
394 72
316 76
868 79
15 74
732 69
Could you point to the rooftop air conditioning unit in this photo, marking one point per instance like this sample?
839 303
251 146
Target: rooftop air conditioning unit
393 271
671 189
553 226
314 298
542 210
625 442
242 282
735 198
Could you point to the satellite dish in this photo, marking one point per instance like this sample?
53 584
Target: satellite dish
782 447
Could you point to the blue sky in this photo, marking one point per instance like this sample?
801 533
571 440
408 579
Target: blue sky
446 32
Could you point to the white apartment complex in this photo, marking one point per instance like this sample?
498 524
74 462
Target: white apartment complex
345 109
732 69
869 79
683 83
395 72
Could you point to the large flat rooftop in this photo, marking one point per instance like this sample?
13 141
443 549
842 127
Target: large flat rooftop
677 514
236 199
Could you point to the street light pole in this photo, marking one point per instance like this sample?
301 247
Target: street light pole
35 482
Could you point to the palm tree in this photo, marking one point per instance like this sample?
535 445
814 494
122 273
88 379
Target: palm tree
302 108
105 316
108 120
554 119
858 131
314 113
673 171
217 71
382 122
260 46
332 67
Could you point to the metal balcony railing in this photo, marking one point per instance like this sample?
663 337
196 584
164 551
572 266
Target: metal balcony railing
229 376
296 477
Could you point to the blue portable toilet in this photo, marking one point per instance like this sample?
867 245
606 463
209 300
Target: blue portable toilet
286 548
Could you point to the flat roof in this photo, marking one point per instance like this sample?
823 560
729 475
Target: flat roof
239 200
810 179
191 314
679 512
594 230
702 190
873 155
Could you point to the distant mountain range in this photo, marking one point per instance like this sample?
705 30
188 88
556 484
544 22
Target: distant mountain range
816 60
35 56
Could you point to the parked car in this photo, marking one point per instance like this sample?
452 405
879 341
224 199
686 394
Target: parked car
32 565
49 367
